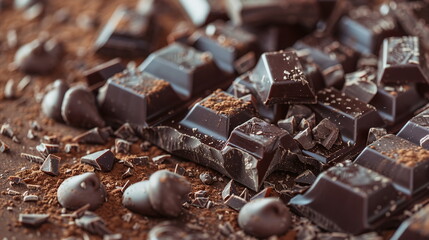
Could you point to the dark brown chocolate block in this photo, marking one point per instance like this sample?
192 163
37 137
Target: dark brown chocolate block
188 70
279 78
416 128
400 160
98 75
136 97
218 114
416 227
348 198
260 12
364 29
128 33
353 117
227 44
361 85
402 60
202 12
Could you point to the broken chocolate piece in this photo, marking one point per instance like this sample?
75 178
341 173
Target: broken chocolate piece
122 146
229 190
414 227
136 199
92 223
92 136
306 178
102 160
245 194
262 194
374 134
200 202
161 158
265 217
6 130
140 161
179 170
4 147
79 108
45 149
71 148
361 85
424 142
53 99
9 89
235 202
126 132
326 133
416 128
33 220
305 139
289 124
80 190
98 75
51 165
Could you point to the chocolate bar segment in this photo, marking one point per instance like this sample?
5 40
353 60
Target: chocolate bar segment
348 198
402 61
416 128
416 227
188 70
137 97
400 160
279 78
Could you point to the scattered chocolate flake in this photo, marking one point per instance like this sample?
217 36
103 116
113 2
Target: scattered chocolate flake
245 194
126 163
31 198
266 192
424 142
306 178
30 135
10 89
235 202
145 146
326 133
374 134
46 148
24 83
32 158
35 126
92 223
51 165
206 178
92 136
179 170
288 124
102 160
161 158
122 146
12 38
126 132
4 147
128 173
140 161
33 220
71 148
200 202
52 139
229 190
305 139
6 130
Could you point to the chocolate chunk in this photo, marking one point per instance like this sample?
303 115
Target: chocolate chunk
200 202
128 173
227 43
202 12
305 139
306 178
122 146
167 192
126 132
102 160
71 148
402 61
364 29
399 160
424 142
93 224
289 124
374 134
98 75
128 33
131 90
245 194
79 108
179 170
416 128
10 89
188 70
40 56
235 202
326 133
4 147
361 85
52 139
32 158
6 130
229 190
414 227
80 190
45 149
33 220
265 217
299 112
206 178
51 165
370 198
136 199
92 136
279 78
140 161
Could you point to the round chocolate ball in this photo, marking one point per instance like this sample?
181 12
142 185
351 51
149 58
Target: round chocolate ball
53 99
264 217
136 199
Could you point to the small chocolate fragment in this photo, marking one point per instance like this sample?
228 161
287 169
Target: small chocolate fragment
92 223
415 227
266 192
245 194
374 134
102 160
424 142
80 190
128 173
361 85
235 202
122 146
136 199
206 178
265 217
9 89
289 124
326 133
92 136
32 158
33 220
4 147
71 148
6 130
53 99
167 192
179 170
126 132
97 76
229 190
279 78
305 139
45 149
200 202
30 198
51 165
79 108
306 178
140 161
30 135
40 56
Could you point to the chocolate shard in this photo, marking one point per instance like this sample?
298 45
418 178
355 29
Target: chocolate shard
200 202
92 136
71 148
33 220
40 56
9 89
399 160
279 78
262 194
140 161
4 147
289 124
98 75
226 42
202 12
77 191
414 227
161 158
229 190
53 99
126 132
361 85
305 139
128 33
32 158
306 178
93 223
51 165
326 133
245 194
122 146
374 134
235 202
188 70
45 149
266 217
371 197
402 61
416 128
364 29
79 108
136 199
102 160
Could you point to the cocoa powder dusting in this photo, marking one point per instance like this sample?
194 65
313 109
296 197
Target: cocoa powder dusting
225 104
